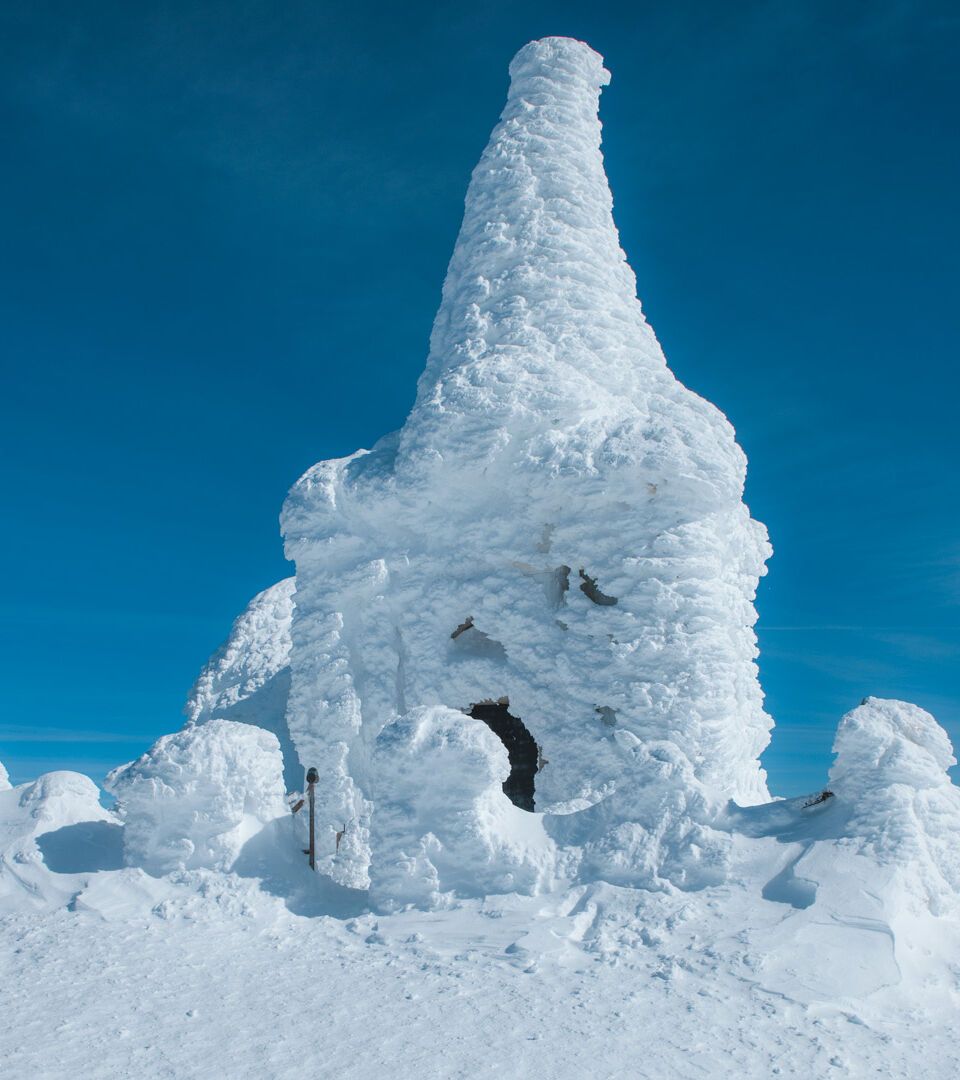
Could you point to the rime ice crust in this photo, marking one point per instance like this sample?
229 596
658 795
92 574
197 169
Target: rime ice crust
555 484
196 797
442 826
255 652
891 774
248 678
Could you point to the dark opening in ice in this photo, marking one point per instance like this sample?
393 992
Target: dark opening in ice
521 747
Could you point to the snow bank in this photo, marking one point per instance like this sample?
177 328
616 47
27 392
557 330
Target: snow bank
891 774
4 778
197 796
53 805
558 523
443 826
248 678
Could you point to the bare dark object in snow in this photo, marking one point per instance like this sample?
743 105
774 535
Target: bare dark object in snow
559 585
474 643
608 716
588 586
815 800
522 749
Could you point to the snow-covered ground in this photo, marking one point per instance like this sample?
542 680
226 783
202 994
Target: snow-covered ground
111 972
519 652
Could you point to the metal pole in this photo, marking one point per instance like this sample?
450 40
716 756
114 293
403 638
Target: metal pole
312 778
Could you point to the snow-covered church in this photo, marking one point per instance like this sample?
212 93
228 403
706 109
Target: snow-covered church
518 647
517 653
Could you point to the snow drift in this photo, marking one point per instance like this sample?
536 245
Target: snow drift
867 870
558 524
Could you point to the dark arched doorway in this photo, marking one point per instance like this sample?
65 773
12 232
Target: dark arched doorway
522 750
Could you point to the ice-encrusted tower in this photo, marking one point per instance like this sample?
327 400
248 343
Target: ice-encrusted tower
552 551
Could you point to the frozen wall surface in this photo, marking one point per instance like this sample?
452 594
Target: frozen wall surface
195 798
558 530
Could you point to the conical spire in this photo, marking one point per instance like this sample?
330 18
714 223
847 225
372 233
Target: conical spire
539 299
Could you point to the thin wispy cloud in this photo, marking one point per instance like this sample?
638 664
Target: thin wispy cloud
32 733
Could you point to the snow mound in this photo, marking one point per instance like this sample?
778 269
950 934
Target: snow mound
51 801
652 828
248 678
559 523
867 870
443 826
4 778
196 797
891 773
61 810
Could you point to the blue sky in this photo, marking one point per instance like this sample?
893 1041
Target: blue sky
226 228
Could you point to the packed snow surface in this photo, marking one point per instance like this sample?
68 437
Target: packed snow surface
269 971
519 652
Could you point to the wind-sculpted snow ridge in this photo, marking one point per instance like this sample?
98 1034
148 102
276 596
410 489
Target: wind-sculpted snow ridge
558 525
248 678
195 798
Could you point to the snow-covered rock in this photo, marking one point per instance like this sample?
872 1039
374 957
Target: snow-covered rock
196 797
248 678
443 826
558 524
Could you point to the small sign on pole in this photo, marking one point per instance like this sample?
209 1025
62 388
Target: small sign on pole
312 777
